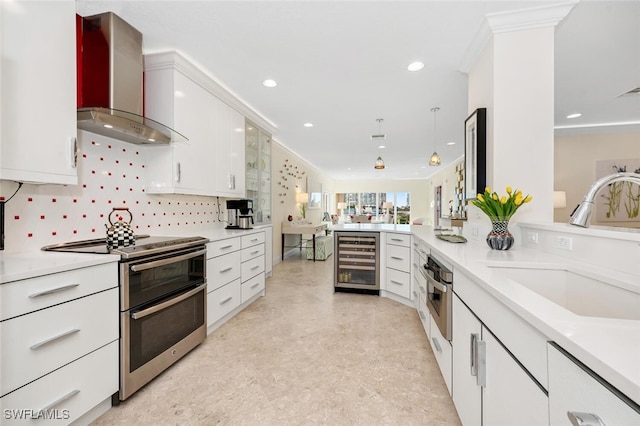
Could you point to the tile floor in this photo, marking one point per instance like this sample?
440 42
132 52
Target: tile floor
302 355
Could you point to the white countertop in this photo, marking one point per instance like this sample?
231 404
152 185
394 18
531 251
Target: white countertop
610 347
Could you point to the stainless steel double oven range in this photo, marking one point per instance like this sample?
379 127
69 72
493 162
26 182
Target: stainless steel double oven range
163 303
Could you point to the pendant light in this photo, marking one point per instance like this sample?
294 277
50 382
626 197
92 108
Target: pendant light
435 158
379 165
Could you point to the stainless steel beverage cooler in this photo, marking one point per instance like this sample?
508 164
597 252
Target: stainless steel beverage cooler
357 261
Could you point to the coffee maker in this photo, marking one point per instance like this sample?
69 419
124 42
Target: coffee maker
240 214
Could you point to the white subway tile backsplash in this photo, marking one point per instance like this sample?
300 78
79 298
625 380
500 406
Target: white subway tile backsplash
110 174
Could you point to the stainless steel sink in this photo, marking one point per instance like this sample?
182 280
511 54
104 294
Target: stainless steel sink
583 293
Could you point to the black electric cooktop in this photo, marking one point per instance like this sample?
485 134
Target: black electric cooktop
144 245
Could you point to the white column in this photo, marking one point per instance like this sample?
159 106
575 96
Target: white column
511 73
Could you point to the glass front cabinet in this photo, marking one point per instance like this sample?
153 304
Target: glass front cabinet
258 171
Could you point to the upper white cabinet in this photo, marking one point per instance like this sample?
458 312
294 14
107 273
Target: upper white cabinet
258 168
575 391
211 162
38 91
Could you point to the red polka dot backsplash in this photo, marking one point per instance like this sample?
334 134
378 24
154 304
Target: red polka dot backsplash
111 174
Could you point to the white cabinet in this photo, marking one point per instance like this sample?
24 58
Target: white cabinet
398 264
490 387
573 388
211 162
235 274
60 341
38 86
442 350
258 171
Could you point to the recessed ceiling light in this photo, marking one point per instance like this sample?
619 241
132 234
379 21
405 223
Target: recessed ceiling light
415 66
576 115
381 147
308 124
451 143
269 83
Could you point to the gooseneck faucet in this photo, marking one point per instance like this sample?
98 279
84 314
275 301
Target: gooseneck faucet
581 216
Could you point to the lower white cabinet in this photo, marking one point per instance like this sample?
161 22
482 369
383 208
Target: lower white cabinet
399 282
235 274
489 386
442 350
222 301
576 390
60 352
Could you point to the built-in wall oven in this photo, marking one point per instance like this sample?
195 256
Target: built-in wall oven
440 294
163 303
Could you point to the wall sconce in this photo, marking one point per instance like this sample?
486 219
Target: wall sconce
559 199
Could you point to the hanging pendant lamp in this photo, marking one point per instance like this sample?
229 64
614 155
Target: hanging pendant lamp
435 158
379 165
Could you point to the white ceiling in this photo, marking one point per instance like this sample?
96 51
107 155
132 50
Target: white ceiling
342 64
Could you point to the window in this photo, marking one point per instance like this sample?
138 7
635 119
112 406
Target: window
373 204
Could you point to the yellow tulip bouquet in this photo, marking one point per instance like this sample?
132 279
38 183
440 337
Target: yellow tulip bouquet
500 208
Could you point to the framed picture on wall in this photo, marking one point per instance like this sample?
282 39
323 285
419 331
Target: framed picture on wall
475 153
315 193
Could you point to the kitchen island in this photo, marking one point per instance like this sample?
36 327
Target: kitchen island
608 346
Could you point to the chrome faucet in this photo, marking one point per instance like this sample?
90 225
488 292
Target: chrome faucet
581 216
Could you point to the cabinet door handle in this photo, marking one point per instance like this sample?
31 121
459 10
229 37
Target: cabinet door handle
415 294
482 363
255 267
73 152
40 344
397 258
422 316
396 282
396 239
255 252
436 344
178 172
226 247
473 353
255 285
222 271
584 419
227 300
60 400
53 290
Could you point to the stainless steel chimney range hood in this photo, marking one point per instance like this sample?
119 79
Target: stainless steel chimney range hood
110 82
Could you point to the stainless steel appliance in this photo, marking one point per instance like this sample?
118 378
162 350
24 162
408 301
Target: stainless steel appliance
357 264
240 214
110 82
440 294
163 303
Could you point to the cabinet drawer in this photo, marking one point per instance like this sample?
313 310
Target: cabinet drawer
442 351
425 316
252 252
252 287
84 383
222 301
252 239
221 247
403 240
399 258
399 283
37 343
222 270
21 297
252 267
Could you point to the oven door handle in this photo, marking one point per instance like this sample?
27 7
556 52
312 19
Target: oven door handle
436 284
149 265
168 303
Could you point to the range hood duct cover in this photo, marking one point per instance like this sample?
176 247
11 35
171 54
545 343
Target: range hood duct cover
110 83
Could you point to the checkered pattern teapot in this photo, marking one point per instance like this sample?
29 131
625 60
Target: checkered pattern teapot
120 233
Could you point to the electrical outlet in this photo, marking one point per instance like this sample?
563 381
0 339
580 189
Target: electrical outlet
564 243
532 237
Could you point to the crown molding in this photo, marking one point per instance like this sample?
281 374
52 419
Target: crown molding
514 20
